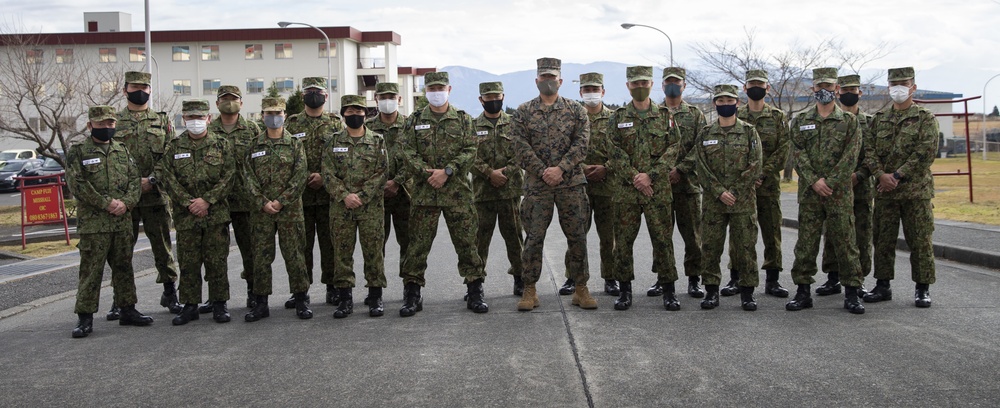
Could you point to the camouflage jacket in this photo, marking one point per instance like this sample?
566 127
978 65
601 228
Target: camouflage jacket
773 131
864 190
390 133
826 148
597 153
690 120
276 170
314 133
198 169
96 177
906 142
145 134
641 143
551 136
729 160
494 150
240 138
431 141
356 165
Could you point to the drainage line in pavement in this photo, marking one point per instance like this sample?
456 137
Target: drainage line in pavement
572 344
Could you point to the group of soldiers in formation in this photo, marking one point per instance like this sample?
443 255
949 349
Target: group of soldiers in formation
347 178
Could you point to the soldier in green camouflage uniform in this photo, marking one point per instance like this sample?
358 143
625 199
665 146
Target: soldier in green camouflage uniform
684 187
354 163
642 146
497 181
145 133
389 123
276 174
197 170
729 156
550 135
313 127
904 145
438 146
850 94
105 181
826 141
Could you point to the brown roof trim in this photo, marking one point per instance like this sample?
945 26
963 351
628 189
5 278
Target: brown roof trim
421 71
205 36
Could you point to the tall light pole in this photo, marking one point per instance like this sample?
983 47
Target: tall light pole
329 61
984 115
149 40
630 25
155 90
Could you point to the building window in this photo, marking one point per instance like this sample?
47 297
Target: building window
37 124
283 51
64 55
255 85
34 56
209 52
182 87
333 85
108 88
108 54
254 51
182 53
210 86
136 54
322 50
284 84
179 121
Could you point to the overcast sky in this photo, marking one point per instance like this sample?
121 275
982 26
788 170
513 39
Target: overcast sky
956 44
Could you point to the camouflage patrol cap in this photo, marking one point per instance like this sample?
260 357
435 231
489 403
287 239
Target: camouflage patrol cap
136 77
101 113
313 82
547 65
435 78
352 100
849 80
674 72
490 88
900 74
383 88
272 104
194 107
640 73
591 79
756 75
229 90
824 76
725 90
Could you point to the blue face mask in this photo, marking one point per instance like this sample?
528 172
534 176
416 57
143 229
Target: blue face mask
274 121
672 90
725 110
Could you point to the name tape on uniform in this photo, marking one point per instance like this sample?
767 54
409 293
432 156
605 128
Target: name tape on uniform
92 161
255 155
482 133
807 127
340 150
709 142
182 156
625 125
299 135
421 127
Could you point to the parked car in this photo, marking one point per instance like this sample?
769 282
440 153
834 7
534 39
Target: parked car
15 168
18 154
49 166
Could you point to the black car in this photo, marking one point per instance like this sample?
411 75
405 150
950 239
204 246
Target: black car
15 168
49 166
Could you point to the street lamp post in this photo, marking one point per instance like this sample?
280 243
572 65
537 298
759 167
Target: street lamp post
630 25
156 90
984 115
329 61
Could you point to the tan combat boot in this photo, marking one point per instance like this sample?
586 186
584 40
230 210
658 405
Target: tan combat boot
529 300
583 299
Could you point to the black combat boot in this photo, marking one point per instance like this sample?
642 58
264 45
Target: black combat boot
220 313
412 302
831 286
290 303
187 314
655 290
475 302
731 288
132 317
346 305
694 289
206 307
332 295
251 298
711 300
568 288
114 313
169 298
922 295
670 301
302 305
624 300
880 292
746 298
259 310
802 299
84 326
374 302
771 285
851 300
611 287
518 286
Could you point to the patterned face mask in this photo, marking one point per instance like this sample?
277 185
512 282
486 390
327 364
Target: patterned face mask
823 96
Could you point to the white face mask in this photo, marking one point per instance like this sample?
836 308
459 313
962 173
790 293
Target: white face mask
387 106
196 126
592 99
899 93
437 99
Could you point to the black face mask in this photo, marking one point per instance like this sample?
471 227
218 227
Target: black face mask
138 97
756 93
104 134
725 110
354 121
314 100
672 90
493 107
849 99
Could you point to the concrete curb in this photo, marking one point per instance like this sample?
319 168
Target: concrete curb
24 307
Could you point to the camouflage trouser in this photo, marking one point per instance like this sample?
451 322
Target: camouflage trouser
318 224
291 234
659 223
461 221
863 234
742 236
115 249
536 215
243 232
687 216
348 229
397 212
769 219
603 216
917 217
156 223
203 246
508 213
839 225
